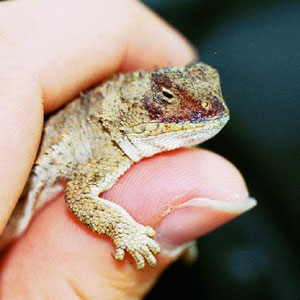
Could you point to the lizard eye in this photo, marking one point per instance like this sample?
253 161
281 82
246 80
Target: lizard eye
168 95
204 104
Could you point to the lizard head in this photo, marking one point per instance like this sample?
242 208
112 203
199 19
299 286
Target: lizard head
170 108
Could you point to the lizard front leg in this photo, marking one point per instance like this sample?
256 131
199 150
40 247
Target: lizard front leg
105 217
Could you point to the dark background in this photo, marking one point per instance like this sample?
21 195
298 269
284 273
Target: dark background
255 45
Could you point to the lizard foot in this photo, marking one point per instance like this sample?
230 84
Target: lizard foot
106 217
137 240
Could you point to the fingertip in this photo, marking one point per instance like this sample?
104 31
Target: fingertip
197 217
184 194
153 187
91 40
155 43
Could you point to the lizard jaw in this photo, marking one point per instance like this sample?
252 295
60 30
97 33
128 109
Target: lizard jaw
137 146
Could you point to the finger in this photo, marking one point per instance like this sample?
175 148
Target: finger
79 261
54 49
75 44
20 126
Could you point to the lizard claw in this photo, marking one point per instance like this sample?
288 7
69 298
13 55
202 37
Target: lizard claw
138 242
149 231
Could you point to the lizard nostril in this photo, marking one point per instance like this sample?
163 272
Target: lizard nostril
216 101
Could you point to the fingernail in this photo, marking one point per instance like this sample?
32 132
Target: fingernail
194 218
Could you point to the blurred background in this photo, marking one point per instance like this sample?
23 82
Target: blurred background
255 45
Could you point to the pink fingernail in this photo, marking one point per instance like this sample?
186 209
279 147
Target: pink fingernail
197 217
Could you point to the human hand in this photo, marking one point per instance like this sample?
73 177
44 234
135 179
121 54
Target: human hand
49 52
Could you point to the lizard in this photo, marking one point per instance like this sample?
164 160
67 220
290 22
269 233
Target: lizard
95 139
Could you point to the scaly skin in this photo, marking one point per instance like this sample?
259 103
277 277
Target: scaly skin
98 136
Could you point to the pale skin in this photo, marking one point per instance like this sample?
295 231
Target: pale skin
43 65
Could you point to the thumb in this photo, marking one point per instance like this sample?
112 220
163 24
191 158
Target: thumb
183 194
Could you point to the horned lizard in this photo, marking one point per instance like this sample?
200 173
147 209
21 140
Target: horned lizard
94 139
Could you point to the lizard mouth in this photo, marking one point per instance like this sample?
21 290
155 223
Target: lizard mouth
150 138
156 128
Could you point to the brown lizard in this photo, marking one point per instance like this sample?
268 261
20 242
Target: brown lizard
98 136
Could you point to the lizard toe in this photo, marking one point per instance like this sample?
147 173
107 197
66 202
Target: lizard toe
149 231
153 246
148 256
120 253
139 259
